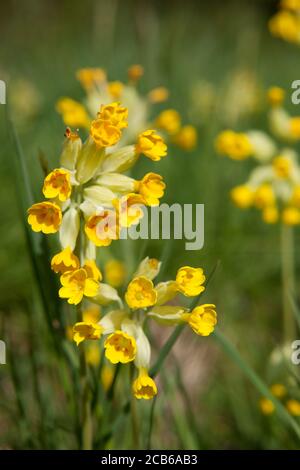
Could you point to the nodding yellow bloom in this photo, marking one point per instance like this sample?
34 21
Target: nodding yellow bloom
186 138
91 314
270 214
168 120
189 281
130 209
115 114
293 407
275 95
76 284
290 216
102 228
202 319
234 145
83 330
151 145
140 293
242 196
135 72
45 217
115 89
115 273
73 113
64 261
151 187
89 77
120 347
104 133
92 270
285 25
144 386
158 95
93 354
278 390
57 184
267 407
264 196
282 166
295 127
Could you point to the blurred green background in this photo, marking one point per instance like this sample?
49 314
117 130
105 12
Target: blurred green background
210 55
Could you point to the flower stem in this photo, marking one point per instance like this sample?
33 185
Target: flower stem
288 281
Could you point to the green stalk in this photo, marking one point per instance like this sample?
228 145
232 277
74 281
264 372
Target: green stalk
288 281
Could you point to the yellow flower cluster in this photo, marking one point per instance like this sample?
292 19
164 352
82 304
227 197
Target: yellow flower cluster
99 89
123 329
90 185
273 186
285 24
280 392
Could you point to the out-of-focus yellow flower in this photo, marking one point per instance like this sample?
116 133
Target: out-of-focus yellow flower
202 319
282 166
267 407
144 386
290 216
140 293
293 407
107 375
186 138
91 314
278 390
89 77
275 95
115 273
168 120
151 145
57 184
285 25
295 199
293 5
115 114
234 145
64 261
135 72
264 196
295 127
120 347
151 187
190 281
104 133
102 228
73 113
270 214
83 331
158 95
242 196
93 354
129 209
45 217
115 89
76 284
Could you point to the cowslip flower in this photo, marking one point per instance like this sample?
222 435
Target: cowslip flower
186 138
151 187
144 386
45 217
168 120
140 293
190 281
57 184
151 145
64 261
234 145
76 284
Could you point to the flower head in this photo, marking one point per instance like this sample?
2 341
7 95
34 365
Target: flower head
267 406
152 145
293 407
102 228
242 196
186 138
190 281
144 386
130 209
45 217
64 261
76 284
120 347
57 184
89 77
151 187
275 95
158 95
278 390
291 215
83 330
73 113
104 133
115 89
114 114
282 166
140 293
202 319
234 145
169 121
